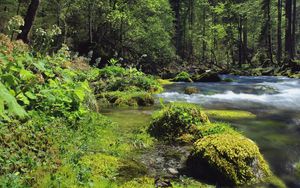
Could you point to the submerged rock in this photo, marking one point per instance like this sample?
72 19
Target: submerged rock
207 77
231 160
191 90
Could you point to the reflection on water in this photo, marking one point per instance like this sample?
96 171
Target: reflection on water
275 101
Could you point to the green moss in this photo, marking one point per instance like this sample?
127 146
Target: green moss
229 114
207 77
177 119
165 82
144 182
232 159
119 98
191 90
101 165
183 77
216 128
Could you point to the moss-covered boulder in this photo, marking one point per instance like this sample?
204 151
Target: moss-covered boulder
191 90
177 119
183 77
118 98
207 77
229 159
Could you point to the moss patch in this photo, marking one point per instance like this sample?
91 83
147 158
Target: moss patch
231 159
177 119
229 114
183 77
119 98
165 82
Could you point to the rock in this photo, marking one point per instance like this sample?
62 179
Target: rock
207 77
191 90
230 159
159 182
177 119
183 77
173 171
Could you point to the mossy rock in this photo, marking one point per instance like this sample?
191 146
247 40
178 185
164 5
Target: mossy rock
177 119
191 90
119 98
183 77
230 159
207 77
229 114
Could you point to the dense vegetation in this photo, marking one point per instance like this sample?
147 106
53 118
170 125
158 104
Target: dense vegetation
63 63
157 35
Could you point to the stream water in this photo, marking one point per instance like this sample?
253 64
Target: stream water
276 129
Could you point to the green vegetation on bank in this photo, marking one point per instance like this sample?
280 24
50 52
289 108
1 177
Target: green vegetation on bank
51 134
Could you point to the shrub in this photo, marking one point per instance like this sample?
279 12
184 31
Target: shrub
231 159
177 119
120 79
183 77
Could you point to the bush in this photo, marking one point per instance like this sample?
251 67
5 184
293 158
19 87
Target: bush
183 77
231 159
177 119
117 78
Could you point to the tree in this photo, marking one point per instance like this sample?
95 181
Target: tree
29 20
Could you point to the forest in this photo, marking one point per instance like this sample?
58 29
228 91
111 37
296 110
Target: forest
149 93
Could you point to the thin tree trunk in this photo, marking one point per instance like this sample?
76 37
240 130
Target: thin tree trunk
29 20
279 33
288 32
204 33
294 25
269 34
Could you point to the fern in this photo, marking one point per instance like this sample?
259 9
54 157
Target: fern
9 105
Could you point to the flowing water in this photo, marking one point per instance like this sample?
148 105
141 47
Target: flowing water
275 101
276 129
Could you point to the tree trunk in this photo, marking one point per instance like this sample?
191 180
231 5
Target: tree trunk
204 33
270 51
29 20
279 33
240 41
294 25
288 31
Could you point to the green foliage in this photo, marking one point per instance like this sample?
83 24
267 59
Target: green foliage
233 159
177 119
40 83
116 78
183 77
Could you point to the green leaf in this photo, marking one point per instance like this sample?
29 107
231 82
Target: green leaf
30 95
26 75
23 98
80 94
9 101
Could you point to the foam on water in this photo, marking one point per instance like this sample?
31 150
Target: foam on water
287 96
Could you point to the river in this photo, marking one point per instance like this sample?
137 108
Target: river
276 129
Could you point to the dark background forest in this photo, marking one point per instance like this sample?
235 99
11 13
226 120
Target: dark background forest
160 35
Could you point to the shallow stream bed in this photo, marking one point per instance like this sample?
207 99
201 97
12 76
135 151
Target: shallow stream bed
276 128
